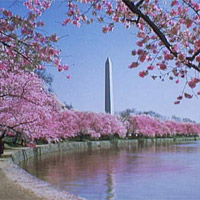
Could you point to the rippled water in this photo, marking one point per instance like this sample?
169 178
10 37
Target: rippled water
152 172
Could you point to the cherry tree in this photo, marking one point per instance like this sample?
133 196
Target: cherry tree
98 124
168 38
25 106
143 125
29 110
66 125
23 47
168 33
71 124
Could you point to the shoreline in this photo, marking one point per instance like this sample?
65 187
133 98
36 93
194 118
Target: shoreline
17 184
10 190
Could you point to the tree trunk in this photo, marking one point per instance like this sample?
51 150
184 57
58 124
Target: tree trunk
2 143
1 147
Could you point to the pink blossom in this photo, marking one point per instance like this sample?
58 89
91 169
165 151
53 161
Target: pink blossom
143 57
105 29
66 21
198 58
142 74
140 51
181 56
197 43
1 66
68 76
163 66
76 23
175 48
188 23
192 83
141 35
179 97
151 67
140 43
189 96
65 67
174 3
134 52
60 68
133 65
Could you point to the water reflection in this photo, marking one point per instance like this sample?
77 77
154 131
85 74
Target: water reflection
157 171
110 182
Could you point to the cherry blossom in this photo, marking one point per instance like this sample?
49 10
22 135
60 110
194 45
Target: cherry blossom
22 46
167 33
167 41
142 125
25 105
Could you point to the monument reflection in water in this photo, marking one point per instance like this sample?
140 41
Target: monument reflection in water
153 172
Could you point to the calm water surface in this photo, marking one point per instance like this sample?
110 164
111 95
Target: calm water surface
152 172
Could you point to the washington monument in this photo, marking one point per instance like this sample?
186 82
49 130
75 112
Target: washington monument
109 106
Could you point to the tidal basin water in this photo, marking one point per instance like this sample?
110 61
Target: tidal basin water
144 172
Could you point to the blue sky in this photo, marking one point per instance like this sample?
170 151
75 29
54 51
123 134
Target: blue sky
86 50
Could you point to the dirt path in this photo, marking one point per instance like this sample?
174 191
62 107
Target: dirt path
12 191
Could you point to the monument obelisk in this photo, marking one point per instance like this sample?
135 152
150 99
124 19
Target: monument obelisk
109 106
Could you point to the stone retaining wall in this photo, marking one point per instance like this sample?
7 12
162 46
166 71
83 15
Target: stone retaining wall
39 150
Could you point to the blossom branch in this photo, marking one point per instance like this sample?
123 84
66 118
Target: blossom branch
157 31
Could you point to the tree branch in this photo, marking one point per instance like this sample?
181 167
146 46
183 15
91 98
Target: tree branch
196 11
2 136
157 31
135 10
139 3
194 55
18 52
133 20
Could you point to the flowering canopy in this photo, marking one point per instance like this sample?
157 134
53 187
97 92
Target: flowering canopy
143 125
25 106
24 48
168 32
98 125
168 35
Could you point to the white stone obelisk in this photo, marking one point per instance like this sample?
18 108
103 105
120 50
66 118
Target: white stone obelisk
109 105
